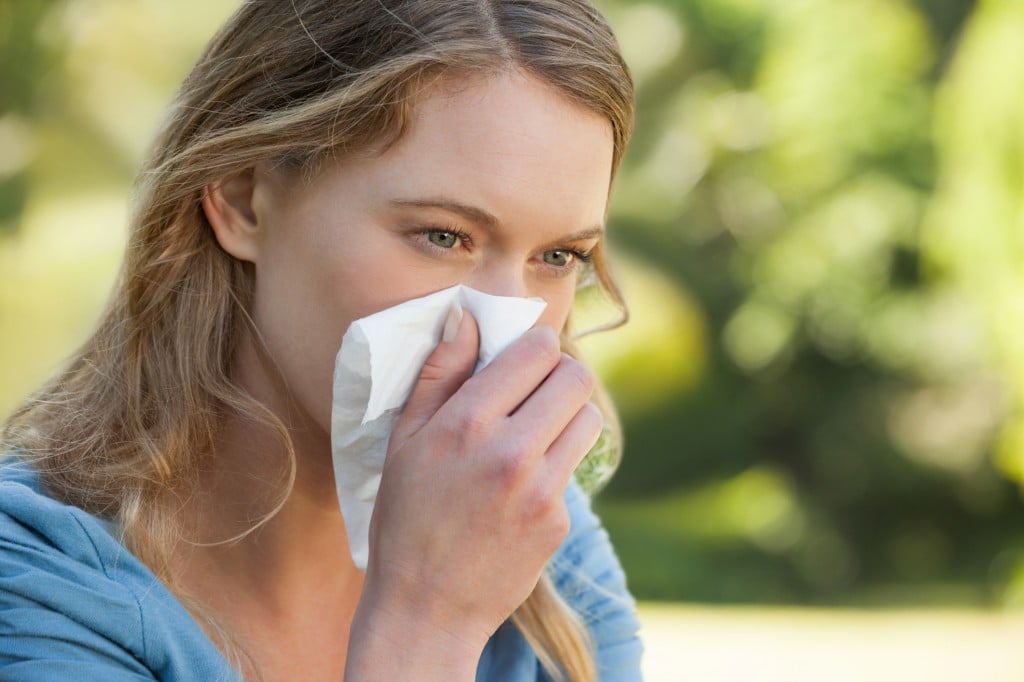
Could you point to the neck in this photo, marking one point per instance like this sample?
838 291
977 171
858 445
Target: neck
299 549
285 593
269 558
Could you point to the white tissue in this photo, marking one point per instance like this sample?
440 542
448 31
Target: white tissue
374 374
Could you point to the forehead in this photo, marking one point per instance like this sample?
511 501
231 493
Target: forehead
509 142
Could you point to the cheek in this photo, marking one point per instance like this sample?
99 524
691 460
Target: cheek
302 332
372 289
557 311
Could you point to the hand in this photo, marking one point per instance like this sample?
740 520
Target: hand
470 506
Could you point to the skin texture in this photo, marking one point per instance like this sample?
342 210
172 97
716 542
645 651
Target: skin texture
500 183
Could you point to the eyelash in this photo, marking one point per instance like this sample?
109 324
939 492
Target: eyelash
464 237
580 258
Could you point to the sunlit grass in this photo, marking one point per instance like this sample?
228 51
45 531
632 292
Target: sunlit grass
711 644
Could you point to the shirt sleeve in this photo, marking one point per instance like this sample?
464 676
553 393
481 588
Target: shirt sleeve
61 617
589 577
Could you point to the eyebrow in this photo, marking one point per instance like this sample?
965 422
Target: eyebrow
485 218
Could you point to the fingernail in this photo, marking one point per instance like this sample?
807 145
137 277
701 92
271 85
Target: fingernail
451 324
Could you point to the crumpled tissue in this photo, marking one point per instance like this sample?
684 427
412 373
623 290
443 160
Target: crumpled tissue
375 372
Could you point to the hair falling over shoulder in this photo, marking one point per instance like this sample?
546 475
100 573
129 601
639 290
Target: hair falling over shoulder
124 429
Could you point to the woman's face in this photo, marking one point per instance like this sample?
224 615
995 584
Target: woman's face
500 184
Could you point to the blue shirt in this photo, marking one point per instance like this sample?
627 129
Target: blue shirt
76 605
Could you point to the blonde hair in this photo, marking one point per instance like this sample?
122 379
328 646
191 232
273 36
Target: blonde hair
124 428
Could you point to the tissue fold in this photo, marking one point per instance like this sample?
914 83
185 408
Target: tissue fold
375 372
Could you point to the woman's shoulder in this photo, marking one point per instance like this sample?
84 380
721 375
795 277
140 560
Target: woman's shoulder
586 557
75 603
588 575
34 526
58 595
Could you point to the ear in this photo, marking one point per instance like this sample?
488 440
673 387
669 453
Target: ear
228 207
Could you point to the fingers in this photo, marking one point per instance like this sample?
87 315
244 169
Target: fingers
445 370
505 383
575 441
545 413
532 394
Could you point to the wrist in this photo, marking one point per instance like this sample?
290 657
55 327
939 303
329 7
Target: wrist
387 640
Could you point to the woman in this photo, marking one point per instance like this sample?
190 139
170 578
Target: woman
324 161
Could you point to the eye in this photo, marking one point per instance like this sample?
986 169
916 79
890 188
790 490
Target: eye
444 239
559 257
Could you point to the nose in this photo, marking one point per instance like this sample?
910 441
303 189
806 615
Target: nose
499 280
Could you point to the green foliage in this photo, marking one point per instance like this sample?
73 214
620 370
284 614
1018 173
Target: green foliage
24 61
838 186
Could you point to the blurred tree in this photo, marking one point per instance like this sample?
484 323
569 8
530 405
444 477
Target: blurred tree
784 164
974 235
25 60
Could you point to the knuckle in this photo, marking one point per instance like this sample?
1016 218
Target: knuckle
592 416
545 345
524 446
433 369
581 377
545 514
473 422
558 526
561 524
512 465
544 500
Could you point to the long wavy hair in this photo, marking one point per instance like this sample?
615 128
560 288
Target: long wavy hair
123 430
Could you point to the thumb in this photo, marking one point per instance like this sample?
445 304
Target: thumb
445 370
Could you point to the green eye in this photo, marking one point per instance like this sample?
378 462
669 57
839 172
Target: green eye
442 238
558 258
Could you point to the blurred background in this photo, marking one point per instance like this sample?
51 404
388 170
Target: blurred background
820 232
